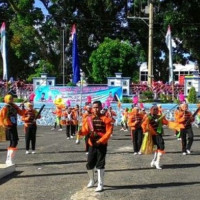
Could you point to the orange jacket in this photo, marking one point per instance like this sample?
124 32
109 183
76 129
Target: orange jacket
133 124
5 118
146 126
85 130
29 117
58 111
181 117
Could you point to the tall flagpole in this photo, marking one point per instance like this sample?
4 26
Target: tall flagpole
63 57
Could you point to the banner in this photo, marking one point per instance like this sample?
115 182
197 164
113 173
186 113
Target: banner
73 94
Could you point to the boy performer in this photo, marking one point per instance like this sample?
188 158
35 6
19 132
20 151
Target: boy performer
30 126
9 121
135 121
153 124
185 118
99 129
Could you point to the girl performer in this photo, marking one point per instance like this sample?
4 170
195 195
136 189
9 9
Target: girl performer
153 124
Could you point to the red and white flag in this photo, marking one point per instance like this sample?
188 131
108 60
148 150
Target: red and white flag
3 50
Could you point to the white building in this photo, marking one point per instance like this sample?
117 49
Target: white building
118 80
179 70
43 81
192 81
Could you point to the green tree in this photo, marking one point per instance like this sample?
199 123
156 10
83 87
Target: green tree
114 56
192 96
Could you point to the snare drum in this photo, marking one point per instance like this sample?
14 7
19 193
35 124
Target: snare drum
63 122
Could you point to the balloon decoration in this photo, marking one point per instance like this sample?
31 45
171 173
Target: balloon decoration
181 97
107 103
89 99
135 100
103 105
68 102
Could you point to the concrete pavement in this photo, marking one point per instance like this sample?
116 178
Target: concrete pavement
57 170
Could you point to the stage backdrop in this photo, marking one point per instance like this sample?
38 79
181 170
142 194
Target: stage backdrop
73 94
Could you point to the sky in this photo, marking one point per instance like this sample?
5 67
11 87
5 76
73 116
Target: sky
40 5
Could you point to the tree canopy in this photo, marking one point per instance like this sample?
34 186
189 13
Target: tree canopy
35 43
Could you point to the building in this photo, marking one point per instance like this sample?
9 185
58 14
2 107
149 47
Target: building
179 72
43 81
118 80
192 81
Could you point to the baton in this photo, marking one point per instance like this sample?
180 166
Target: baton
40 111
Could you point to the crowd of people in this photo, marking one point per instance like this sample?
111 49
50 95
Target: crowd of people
96 125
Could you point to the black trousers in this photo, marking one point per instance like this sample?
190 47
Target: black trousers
159 141
184 133
96 157
30 136
70 130
137 139
12 135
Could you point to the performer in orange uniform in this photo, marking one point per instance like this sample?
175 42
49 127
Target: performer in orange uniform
185 118
30 127
111 114
58 113
153 124
99 129
135 122
70 118
9 121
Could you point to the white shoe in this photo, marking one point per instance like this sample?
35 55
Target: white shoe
184 153
188 151
135 153
99 188
52 129
157 166
90 184
27 152
77 141
60 129
139 153
33 152
179 139
126 130
71 136
152 163
67 138
121 129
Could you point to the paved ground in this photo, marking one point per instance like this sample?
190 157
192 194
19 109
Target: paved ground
57 171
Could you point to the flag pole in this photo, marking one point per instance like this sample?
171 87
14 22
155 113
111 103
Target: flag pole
63 57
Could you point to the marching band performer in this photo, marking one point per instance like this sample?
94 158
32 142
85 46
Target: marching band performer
30 126
99 129
153 124
185 118
58 113
71 122
9 121
134 122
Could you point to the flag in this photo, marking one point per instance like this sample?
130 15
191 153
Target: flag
75 60
3 50
168 40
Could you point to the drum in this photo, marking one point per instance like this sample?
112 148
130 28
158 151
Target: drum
63 122
2 134
75 122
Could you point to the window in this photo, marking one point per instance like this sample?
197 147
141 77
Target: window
112 83
176 76
49 82
124 91
143 76
37 83
189 83
124 83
